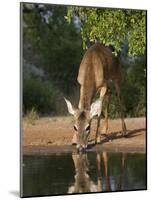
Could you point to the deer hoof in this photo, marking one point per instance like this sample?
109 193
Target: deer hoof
74 140
98 140
125 134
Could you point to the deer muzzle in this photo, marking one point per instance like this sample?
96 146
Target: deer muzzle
81 148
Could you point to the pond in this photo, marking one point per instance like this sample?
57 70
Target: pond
83 173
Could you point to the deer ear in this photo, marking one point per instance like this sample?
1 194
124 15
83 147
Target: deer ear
69 106
96 108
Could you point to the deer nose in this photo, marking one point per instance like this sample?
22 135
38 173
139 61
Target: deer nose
81 148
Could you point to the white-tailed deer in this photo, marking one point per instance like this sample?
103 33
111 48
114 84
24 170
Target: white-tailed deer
98 68
83 181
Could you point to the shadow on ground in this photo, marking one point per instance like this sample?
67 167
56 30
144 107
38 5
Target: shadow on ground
116 135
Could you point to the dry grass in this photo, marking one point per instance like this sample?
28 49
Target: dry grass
32 116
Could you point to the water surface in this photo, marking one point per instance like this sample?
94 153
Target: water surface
83 173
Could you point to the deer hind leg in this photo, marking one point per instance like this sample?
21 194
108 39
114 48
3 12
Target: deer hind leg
118 91
103 91
105 126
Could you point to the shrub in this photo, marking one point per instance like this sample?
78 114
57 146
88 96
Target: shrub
41 96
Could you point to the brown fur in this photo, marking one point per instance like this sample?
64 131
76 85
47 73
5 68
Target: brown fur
97 68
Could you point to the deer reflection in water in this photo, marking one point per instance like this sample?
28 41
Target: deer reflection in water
83 181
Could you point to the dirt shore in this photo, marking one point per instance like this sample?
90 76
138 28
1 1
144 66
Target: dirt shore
50 135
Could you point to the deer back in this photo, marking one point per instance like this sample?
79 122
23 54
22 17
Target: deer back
98 65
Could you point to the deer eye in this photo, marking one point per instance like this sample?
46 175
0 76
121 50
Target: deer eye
75 128
87 128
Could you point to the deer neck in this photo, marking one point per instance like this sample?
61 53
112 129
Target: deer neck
86 95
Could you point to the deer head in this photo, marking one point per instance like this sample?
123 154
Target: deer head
82 121
83 182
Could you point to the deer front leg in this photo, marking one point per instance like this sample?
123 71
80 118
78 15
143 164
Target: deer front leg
103 91
98 134
118 90
74 139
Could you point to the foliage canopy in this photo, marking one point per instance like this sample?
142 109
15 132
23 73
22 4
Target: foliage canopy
112 27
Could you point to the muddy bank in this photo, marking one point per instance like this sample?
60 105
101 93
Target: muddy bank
52 135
